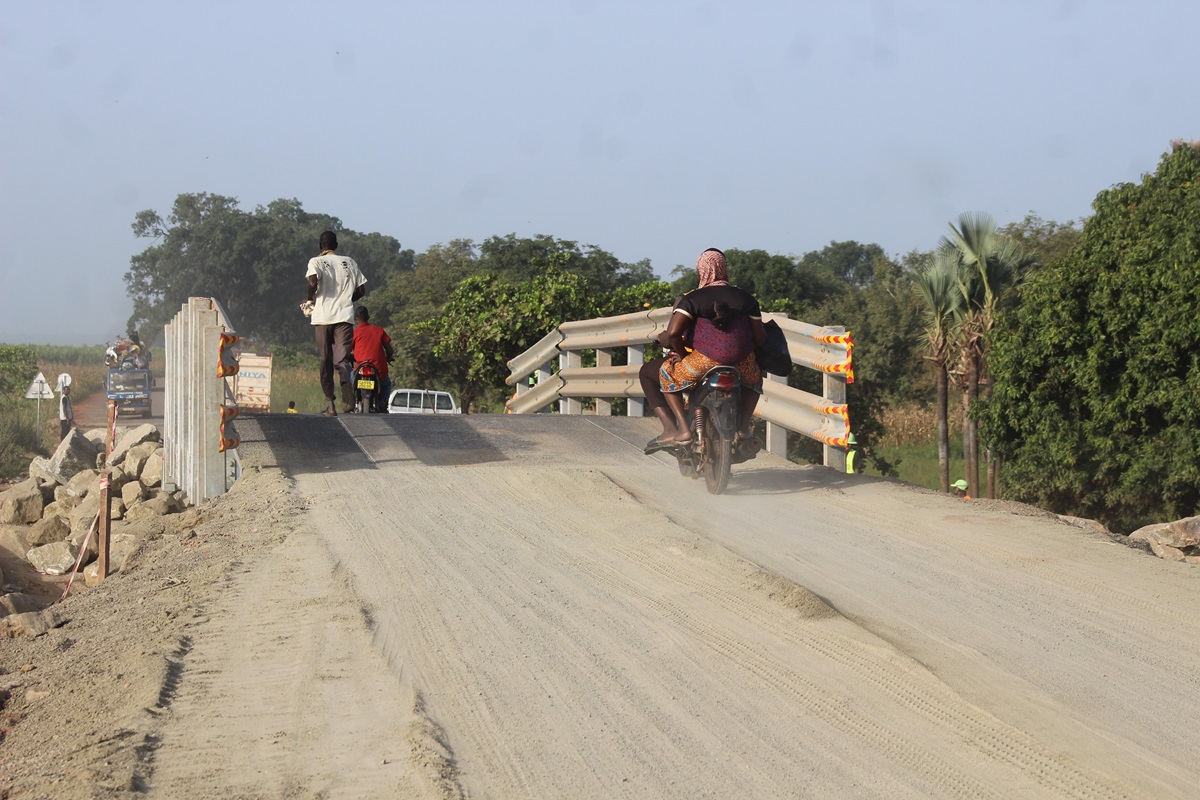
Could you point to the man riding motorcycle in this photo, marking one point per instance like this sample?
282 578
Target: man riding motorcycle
372 344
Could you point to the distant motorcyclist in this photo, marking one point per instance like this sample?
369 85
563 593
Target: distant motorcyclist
371 343
716 324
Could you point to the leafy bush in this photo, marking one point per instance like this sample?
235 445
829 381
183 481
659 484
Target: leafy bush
293 358
18 366
1096 407
19 436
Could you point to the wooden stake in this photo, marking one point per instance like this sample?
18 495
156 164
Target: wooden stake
105 522
112 427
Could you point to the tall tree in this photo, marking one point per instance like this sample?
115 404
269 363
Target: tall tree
938 284
990 267
1046 241
252 262
411 297
852 263
884 316
523 259
488 320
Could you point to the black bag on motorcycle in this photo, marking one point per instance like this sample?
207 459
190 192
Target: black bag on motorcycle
773 356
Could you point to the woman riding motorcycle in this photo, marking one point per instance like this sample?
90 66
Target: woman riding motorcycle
721 325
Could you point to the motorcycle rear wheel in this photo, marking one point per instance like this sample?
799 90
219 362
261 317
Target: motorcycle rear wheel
718 456
366 403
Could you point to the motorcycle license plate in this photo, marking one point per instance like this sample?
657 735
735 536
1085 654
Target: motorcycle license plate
366 383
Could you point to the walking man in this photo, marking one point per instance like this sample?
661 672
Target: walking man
334 283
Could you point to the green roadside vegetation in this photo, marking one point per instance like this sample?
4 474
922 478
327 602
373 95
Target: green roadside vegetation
1059 360
21 438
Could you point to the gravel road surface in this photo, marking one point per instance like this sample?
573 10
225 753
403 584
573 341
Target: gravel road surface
528 606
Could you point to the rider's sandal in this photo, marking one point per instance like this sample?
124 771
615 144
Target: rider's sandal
654 445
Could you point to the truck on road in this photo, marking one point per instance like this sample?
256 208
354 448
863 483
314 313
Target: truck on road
131 389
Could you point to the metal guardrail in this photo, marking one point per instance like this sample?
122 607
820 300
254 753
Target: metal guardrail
828 350
199 443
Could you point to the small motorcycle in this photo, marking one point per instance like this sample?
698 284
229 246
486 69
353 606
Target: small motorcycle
712 410
368 388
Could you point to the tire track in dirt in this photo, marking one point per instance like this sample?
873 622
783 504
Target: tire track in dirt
285 669
714 585
1060 658
701 610
895 675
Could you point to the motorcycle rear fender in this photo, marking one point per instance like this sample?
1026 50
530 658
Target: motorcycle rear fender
722 404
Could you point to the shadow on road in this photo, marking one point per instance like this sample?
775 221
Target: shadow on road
301 444
746 480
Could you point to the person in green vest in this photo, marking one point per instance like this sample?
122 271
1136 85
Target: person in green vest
851 454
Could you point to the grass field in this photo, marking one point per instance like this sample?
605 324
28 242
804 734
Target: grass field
299 384
911 446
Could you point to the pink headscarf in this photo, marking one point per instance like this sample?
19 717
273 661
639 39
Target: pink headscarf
712 269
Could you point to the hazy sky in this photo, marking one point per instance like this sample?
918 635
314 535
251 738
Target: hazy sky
650 129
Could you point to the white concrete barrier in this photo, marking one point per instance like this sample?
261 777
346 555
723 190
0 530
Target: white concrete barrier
199 442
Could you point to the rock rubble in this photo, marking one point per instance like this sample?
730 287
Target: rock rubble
58 506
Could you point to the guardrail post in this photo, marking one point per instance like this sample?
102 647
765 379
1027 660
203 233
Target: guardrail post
834 390
603 404
776 443
636 406
544 373
570 360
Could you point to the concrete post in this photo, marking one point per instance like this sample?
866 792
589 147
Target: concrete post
570 360
544 373
776 442
636 357
170 420
603 404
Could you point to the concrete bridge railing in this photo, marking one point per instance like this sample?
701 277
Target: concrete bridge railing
199 443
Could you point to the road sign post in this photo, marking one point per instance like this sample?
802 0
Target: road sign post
40 390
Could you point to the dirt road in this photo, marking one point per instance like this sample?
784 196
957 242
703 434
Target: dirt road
529 607
92 411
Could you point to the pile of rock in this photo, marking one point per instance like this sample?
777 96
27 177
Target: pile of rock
1176 541
61 497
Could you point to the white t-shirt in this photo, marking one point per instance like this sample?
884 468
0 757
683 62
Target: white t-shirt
337 278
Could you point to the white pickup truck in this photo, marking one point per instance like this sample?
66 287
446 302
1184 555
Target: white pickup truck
421 401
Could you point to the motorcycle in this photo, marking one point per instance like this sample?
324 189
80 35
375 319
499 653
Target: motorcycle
368 389
712 411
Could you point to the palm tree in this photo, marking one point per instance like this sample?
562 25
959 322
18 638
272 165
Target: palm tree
991 266
939 287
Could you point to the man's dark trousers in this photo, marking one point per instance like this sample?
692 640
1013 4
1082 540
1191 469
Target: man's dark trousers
335 343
